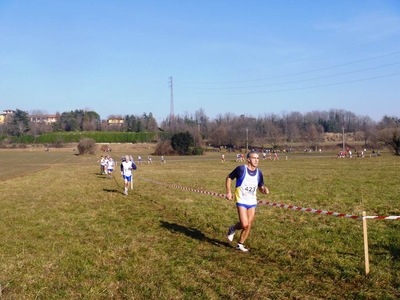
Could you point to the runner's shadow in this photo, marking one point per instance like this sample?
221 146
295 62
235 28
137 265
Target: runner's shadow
192 233
392 248
101 176
112 191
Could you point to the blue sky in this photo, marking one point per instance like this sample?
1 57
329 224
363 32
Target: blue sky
240 57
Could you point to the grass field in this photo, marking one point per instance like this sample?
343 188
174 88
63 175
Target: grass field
67 232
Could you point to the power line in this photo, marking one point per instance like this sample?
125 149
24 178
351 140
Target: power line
308 58
301 73
301 80
300 88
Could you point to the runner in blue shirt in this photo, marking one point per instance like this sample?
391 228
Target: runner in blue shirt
248 179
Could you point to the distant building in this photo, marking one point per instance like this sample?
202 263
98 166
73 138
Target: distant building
43 118
115 121
5 114
32 118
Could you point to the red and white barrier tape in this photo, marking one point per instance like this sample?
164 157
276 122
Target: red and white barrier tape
311 210
383 217
293 207
186 189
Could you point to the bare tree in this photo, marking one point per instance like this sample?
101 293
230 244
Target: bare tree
293 124
314 135
389 133
218 136
367 129
390 137
37 129
202 121
89 125
38 112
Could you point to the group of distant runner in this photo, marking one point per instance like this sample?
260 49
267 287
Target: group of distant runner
348 153
266 154
107 165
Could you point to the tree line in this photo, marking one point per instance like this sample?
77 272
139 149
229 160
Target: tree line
18 123
225 129
293 127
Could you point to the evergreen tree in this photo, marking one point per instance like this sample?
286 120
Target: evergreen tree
181 142
19 123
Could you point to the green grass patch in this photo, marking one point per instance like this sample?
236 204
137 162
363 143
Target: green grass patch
68 232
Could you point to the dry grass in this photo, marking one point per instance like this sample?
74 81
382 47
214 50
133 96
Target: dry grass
67 232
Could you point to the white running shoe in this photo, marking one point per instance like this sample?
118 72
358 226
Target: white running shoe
241 248
231 233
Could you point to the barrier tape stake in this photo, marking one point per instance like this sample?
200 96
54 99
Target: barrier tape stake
365 243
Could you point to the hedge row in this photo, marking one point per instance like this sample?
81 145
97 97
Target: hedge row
98 136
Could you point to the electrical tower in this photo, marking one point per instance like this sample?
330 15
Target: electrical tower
171 109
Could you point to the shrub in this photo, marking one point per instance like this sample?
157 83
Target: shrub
87 146
198 151
164 148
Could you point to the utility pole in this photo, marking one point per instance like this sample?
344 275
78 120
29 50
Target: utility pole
247 140
343 136
171 109
343 133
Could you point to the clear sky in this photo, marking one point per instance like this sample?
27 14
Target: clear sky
225 56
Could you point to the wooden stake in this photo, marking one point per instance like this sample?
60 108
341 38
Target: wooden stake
365 243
